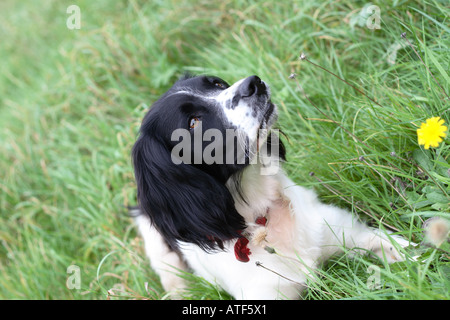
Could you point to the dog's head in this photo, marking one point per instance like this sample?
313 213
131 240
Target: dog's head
195 137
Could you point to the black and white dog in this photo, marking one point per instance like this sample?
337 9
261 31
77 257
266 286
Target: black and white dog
213 200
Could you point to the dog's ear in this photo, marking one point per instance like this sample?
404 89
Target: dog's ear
281 149
183 202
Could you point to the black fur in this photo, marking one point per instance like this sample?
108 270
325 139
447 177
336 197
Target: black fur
185 202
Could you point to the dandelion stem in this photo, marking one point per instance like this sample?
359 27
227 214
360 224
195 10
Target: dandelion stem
428 175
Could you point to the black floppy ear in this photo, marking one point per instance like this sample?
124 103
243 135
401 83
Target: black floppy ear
183 202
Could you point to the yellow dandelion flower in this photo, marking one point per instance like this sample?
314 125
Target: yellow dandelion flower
431 132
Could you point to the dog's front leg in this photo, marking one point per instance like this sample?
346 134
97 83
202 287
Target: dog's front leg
164 261
342 230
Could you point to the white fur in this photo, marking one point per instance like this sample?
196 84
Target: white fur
302 231
242 116
164 261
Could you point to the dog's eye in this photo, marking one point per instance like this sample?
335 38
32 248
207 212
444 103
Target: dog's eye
219 84
193 122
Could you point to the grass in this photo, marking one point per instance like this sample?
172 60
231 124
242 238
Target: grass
71 102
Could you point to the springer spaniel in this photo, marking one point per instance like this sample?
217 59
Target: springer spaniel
213 199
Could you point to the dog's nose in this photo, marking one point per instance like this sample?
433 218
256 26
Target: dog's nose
252 85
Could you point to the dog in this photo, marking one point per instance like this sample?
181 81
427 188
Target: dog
213 198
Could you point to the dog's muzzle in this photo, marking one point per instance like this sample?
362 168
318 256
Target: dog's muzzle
252 86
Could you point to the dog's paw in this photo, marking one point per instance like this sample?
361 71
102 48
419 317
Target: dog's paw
388 248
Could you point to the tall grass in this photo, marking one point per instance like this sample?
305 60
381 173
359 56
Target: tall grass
71 102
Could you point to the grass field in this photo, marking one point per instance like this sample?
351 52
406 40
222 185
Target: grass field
71 102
